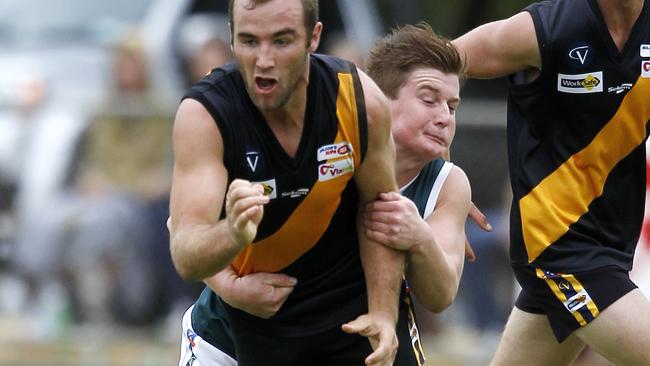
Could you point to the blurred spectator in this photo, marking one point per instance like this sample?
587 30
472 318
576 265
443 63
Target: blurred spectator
19 104
104 239
203 43
486 290
341 46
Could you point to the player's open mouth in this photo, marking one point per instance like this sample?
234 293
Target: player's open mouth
265 85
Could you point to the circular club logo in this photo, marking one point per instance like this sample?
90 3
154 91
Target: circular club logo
645 69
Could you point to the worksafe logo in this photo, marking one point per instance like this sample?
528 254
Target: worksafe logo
581 83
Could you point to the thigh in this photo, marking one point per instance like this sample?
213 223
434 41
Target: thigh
621 333
195 351
570 301
529 340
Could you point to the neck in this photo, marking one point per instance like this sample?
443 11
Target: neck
620 16
407 169
292 115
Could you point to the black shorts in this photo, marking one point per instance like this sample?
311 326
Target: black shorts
570 301
332 347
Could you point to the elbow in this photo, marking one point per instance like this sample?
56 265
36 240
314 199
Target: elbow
183 266
438 304
445 301
440 300
186 272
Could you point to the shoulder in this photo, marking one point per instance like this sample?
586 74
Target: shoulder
376 103
331 62
192 114
195 131
221 81
456 187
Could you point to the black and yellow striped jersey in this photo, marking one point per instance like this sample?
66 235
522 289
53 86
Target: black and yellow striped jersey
210 318
309 229
576 141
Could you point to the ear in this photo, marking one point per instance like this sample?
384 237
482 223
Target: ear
315 37
232 38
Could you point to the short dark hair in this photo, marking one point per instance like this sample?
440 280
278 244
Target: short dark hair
393 57
309 8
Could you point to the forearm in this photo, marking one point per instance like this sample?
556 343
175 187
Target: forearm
426 262
384 272
203 250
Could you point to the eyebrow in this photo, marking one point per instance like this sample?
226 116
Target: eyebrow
437 91
280 33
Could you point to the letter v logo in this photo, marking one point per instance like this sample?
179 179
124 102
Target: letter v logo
580 53
251 159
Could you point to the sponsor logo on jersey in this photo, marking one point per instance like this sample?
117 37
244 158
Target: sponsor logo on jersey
577 301
295 194
334 151
252 159
270 188
619 89
564 285
549 274
645 69
580 83
580 54
193 338
645 50
331 170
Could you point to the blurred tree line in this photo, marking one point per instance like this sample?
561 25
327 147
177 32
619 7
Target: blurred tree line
450 18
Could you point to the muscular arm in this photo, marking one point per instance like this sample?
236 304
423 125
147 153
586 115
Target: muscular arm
434 246
201 244
383 267
440 255
500 48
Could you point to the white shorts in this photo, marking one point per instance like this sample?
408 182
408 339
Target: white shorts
197 352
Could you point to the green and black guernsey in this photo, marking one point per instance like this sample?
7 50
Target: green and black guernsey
576 142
